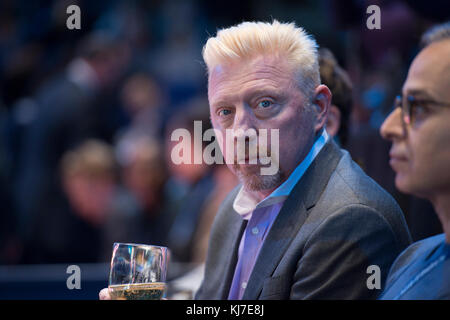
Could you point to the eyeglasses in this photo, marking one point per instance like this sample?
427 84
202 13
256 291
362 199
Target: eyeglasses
414 110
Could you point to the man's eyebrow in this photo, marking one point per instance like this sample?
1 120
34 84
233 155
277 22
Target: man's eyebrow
220 102
274 92
224 100
420 93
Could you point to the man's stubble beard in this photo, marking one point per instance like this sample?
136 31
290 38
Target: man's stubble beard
256 181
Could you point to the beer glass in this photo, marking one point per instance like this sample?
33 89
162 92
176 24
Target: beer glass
138 271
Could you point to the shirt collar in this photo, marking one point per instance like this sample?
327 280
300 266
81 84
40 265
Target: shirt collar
245 203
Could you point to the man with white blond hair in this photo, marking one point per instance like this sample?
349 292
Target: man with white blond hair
314 228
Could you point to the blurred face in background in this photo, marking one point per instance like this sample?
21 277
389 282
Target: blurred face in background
90 195
140 92
110 65
89 181
188 173
420 153
145 174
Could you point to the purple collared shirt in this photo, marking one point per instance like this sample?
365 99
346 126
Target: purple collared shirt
251 242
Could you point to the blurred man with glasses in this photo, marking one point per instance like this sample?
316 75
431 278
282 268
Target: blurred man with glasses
419 129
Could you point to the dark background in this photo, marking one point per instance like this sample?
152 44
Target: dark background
42 116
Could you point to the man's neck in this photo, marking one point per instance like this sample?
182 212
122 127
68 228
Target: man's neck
260 195
441 204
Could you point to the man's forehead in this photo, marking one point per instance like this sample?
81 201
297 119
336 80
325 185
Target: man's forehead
261 61
434 55
217 72
430 70
271 65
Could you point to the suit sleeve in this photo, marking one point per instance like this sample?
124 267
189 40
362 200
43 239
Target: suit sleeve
337 254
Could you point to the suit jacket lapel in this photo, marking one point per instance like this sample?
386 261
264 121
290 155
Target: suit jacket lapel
292 216
237 227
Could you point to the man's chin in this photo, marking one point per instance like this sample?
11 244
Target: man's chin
258 182
412 187
248 169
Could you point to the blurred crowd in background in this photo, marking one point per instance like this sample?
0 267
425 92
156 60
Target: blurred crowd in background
86 116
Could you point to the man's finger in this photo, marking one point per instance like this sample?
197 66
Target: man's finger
104 294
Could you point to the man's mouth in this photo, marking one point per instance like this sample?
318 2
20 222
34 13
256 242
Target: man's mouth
247 161
397 160
252 161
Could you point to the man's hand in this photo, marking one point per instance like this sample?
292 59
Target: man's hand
104 294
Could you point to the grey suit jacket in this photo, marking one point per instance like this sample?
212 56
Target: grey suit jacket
335 224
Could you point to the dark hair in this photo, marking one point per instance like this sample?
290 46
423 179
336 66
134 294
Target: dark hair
340 85
436 33
97 45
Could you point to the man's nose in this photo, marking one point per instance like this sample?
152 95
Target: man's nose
244 134
393 128
243 119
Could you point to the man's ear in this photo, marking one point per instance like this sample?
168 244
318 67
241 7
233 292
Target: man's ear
333 120
322 101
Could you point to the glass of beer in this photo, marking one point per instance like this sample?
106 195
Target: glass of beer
138 272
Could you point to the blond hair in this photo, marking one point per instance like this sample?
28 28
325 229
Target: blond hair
93 158
251 39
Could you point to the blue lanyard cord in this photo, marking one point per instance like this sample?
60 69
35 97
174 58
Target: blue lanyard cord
441 258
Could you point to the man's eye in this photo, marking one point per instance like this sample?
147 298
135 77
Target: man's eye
224 112
265 104
419 109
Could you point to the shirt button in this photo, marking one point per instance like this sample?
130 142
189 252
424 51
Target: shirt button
244 285
255 230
